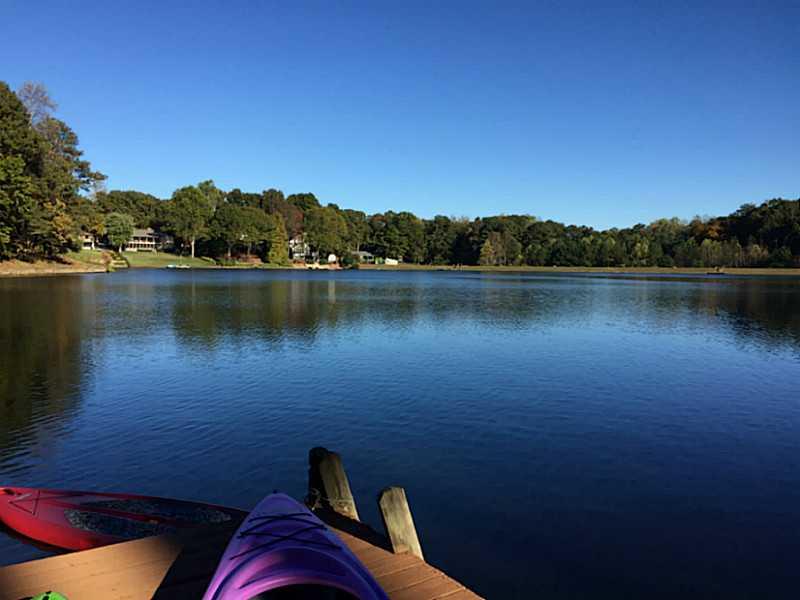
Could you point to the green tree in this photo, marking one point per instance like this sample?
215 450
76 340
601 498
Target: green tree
230 225
240 198
16 204
755 256
21 157
440 237
488 254
259 229
275 204
305 202
88 218
213 195
190 214
278 253
512 249
411 237
142 207
711 253
357 228
326 230
56 164
119 229
782 257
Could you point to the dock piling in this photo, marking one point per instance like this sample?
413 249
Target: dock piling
398 522
328 479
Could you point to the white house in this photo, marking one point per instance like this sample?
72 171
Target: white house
148 240
362 256
299 250
142 240
87 241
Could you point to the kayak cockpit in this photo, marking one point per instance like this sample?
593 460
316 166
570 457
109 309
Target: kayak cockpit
305 592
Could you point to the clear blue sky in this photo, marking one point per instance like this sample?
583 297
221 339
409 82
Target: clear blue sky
599 113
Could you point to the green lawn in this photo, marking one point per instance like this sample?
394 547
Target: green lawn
92 257
159 260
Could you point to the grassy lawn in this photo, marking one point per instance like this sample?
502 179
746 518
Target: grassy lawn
91 257
159 260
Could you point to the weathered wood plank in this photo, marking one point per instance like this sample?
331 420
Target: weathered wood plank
128 571
398 521
392 564
328 478
428 589
407 577
459 594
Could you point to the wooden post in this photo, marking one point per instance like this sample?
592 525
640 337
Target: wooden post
398 522
326 477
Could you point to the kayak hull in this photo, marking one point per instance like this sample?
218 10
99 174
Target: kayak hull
79 520
281 544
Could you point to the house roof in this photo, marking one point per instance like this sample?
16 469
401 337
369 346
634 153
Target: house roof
143 232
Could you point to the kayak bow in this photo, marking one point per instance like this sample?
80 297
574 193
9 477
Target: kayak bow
283 550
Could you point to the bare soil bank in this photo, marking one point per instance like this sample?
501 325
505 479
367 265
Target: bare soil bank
19 268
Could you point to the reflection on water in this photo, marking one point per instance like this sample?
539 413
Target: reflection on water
207 307
563 435
44 361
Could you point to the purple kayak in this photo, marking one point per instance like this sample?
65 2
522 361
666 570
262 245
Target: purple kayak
282 550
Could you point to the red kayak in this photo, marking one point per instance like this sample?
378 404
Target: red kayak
80 520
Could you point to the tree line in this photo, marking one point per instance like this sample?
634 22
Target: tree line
49 196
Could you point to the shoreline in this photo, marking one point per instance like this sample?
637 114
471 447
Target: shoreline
70 266
782 271
10 269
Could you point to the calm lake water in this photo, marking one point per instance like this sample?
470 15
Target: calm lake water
572 436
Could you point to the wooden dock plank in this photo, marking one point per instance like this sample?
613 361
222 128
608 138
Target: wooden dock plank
406 578
126 571
180 567
429 589
393 564
462 594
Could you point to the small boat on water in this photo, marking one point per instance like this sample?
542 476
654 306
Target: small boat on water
76 520
179 266
282 548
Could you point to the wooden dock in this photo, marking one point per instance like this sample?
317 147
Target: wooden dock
181 566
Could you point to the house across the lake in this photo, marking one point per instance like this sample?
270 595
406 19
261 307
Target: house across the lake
87 241
142 240
364 257
299 250
148 240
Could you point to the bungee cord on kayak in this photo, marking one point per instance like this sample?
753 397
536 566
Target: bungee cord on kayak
303 551
296 535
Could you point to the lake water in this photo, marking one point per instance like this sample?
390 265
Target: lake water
569 436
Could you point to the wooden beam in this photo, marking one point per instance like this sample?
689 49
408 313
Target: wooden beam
398 521
328 483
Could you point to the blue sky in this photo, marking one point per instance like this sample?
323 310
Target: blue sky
598 113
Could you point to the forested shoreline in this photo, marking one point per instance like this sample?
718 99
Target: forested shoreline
50 196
